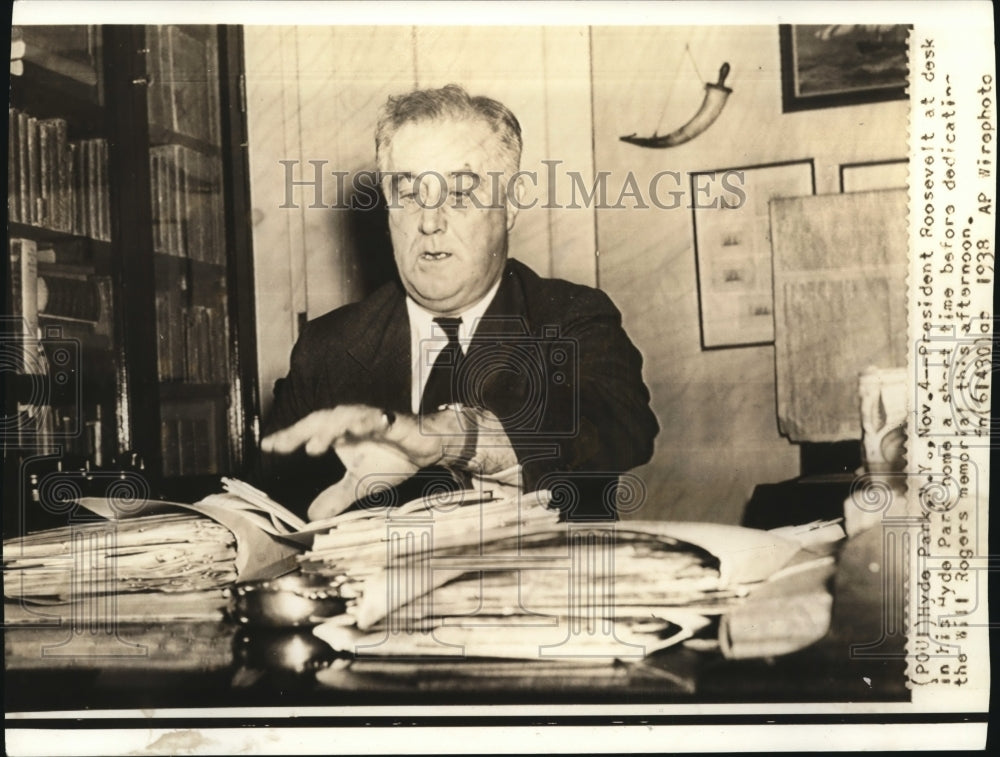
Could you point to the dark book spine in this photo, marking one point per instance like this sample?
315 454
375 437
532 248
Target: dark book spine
87 187
156 74
162 337
171 447
34 172
23 167
185 446
178 318
212 83
218 214
13 178
170 216
171 74
179 208
105 190
76 199
186 204
45 174
62 176
157 200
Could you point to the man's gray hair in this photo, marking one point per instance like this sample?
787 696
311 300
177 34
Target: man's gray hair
453 102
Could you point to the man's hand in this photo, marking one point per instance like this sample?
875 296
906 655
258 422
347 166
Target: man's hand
376 447
422 441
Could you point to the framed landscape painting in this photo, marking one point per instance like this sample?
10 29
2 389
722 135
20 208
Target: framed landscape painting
830 65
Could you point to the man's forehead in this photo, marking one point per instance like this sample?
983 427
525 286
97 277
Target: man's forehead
445 145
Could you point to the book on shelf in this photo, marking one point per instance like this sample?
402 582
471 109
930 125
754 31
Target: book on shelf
61 187
53 209
34 170
183 92
156 98
43 198
75 206
23 168
23 262
157 195
13 190
89 186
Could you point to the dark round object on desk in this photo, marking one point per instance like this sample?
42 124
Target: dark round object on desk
291 601
282 651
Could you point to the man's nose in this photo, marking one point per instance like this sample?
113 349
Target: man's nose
432 218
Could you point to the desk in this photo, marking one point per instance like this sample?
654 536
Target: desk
197 664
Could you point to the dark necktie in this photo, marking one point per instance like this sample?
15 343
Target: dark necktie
441 387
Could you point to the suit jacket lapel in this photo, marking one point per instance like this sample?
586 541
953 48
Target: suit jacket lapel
506 315
384 352
502 325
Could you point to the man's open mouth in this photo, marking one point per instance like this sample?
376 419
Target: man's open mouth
429 255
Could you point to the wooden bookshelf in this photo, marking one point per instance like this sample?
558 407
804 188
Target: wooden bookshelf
97 252
128 218
49 95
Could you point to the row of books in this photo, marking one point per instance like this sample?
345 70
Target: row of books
54 183
189 445
183 91
187 204
192 342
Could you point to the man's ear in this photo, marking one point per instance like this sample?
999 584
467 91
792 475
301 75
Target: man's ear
515 199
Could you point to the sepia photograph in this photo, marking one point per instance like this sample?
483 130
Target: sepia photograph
621 366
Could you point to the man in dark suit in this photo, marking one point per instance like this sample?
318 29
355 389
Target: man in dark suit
471 361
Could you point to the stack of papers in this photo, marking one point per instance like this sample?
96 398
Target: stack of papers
167 552
468 574
474 576
180 556
355 550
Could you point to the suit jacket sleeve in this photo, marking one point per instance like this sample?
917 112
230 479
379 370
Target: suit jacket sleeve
292 394
294 480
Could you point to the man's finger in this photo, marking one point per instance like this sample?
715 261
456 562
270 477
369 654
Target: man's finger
300 433
319 430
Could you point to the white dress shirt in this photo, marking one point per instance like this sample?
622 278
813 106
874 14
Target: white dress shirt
427 339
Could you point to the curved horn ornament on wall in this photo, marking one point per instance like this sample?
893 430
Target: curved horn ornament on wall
715 99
